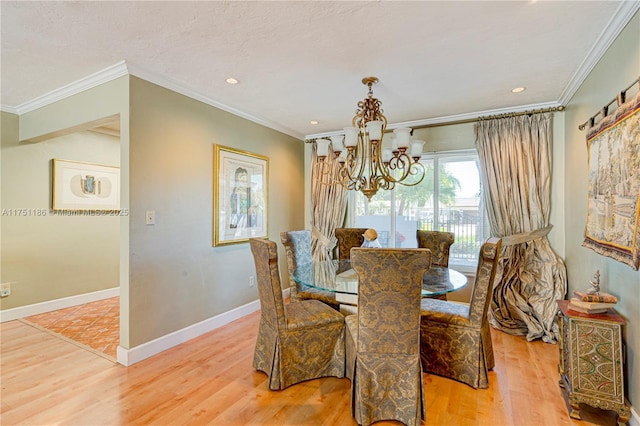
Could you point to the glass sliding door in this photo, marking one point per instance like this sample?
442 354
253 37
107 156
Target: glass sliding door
448 199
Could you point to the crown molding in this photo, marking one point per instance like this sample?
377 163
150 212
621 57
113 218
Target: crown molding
9 109
620 19
123 68
614 27
177 87
93 80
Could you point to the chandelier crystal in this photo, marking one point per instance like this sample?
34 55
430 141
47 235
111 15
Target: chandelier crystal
364 164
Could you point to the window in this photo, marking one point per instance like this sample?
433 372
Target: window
447 199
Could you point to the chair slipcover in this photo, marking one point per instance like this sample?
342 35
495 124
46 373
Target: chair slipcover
455 338
297 245
296 342
383 339
347 239
439 243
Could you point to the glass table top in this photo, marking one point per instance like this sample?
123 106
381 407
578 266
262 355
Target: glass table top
338 276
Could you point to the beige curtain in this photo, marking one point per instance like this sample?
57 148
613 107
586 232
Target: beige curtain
327 205
515 162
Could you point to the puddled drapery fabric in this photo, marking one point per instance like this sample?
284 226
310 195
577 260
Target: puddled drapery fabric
515 161
327 205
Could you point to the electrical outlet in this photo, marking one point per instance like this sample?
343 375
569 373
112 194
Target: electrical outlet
252 281
5 289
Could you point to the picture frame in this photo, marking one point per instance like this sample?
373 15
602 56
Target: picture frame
240 196
78 185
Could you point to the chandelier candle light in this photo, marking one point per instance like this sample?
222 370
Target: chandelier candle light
366 165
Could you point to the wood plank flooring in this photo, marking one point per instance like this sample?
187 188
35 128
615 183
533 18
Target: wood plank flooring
210 381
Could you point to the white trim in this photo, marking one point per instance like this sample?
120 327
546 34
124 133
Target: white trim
54 305
619 20
177 87
9 109
131 356
614 27
635 418
88 82
123 68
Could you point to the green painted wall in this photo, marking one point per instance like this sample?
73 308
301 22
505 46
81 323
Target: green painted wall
47 256
614 72
176 277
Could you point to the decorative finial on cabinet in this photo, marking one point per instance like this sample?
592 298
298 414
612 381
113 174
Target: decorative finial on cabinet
595 284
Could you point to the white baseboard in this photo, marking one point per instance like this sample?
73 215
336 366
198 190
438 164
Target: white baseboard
136 354
635 418
54 305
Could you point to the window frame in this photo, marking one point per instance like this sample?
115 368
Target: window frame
438 158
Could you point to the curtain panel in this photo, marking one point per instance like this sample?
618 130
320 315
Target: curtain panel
515 165
328 205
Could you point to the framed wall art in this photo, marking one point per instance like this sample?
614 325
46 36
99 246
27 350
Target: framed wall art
613 205
240 195
85 186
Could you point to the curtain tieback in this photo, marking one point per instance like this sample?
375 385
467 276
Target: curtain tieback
322 239
525 237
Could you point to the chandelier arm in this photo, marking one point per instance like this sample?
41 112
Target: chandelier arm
415 169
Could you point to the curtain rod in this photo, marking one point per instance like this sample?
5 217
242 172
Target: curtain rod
516 114
490 117
621 98
473 120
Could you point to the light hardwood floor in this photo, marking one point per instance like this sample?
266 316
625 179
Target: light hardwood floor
210 380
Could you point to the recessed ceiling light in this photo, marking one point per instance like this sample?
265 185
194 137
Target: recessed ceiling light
231 80
519 89
314 122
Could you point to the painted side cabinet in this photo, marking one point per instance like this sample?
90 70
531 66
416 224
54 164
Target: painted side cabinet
591 361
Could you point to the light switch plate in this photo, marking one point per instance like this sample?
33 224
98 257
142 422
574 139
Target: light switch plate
150 217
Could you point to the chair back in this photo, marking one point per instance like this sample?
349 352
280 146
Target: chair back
297 246
389 294
439 243
265 257
483 285
347 239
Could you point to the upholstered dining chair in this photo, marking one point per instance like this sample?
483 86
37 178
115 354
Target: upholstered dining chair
347 239
383 338
296 341
439 242
297 245
455 338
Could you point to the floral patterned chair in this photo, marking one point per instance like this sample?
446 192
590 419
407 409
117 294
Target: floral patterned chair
298 341
383 339
455 339
297 245
439 243
347 239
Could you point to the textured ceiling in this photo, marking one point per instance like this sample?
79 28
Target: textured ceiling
302 61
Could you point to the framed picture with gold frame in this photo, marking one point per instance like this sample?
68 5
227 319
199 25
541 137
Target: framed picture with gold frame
240 195
85 186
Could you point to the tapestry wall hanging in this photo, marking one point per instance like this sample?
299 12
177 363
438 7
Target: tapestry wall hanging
613 205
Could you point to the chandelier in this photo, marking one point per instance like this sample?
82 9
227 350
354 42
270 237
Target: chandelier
365 165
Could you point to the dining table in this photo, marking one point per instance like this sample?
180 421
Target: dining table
338 276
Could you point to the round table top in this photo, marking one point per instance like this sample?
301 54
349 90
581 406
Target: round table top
338 276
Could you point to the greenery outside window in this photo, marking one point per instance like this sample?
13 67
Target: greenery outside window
448 199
